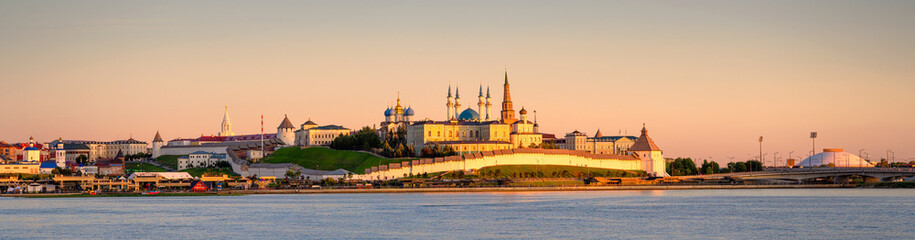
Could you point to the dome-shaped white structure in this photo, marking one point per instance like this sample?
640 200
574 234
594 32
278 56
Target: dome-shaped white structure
835 156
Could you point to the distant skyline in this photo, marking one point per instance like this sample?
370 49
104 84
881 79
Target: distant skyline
707 77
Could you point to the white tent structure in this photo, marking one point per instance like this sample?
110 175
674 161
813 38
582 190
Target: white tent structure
834 156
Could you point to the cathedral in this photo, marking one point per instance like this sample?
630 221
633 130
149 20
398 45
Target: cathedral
474 130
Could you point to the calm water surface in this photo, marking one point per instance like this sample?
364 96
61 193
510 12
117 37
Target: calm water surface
683 214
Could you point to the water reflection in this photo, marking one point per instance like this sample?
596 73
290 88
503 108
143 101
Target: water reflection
723 214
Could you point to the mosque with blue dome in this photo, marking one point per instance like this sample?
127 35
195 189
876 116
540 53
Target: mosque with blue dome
470 129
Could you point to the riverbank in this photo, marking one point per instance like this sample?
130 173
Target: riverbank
536 189
437 190
86 195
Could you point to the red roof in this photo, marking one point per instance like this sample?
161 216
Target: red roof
251 137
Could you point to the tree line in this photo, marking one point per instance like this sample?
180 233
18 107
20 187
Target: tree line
686 166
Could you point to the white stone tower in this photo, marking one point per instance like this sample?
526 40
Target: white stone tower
450 104
60 154
457 101
488 104
286 131
650 154
226 127
157 145
481 103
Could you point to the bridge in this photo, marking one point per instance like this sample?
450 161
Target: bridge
837 175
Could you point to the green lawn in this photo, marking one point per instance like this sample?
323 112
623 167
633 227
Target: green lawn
144 167
197 172
328 159
553 171
168 160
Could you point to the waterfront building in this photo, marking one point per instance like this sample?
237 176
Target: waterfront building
47 167
112 166
599 144
7 150
16 168
226 137
200 159
31 154
96 150
835 156
310 134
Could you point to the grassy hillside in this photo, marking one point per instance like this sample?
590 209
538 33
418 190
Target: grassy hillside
144 167
552 171
168 160
327 159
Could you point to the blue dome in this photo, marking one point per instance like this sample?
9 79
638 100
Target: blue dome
469 115
409 112
389 112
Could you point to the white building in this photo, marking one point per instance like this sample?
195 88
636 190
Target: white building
313 135
200 159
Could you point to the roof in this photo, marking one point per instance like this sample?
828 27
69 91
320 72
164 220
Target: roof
166 175
309 122
644 143
75 147
330 127
235 138
615 138
598 134
471 142
838 158
459 122
201 152
469 115
286 123
158 137
48 164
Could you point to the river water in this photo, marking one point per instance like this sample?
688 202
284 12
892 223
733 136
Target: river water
678 214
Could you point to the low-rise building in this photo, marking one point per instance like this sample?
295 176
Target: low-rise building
310 134
200 159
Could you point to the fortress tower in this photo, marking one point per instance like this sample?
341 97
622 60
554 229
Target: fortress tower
157 145
508 114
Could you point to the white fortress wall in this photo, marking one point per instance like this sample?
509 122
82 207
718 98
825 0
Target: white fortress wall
477 161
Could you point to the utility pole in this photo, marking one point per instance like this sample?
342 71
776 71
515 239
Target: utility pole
760 150
813 151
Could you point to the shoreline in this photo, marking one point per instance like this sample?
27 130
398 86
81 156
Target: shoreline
438 190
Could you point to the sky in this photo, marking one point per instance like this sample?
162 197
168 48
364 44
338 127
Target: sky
707 78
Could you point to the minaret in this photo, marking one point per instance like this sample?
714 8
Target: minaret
481 103
450 104
157 145
488 105
508 114
457 101
226 127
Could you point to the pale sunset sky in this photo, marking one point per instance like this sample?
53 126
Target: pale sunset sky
707 77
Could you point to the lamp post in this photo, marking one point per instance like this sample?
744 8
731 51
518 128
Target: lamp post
760 150
775 159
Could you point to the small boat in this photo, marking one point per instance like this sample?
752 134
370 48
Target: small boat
151 193
92 193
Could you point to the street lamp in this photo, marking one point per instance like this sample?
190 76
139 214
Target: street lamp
775 159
